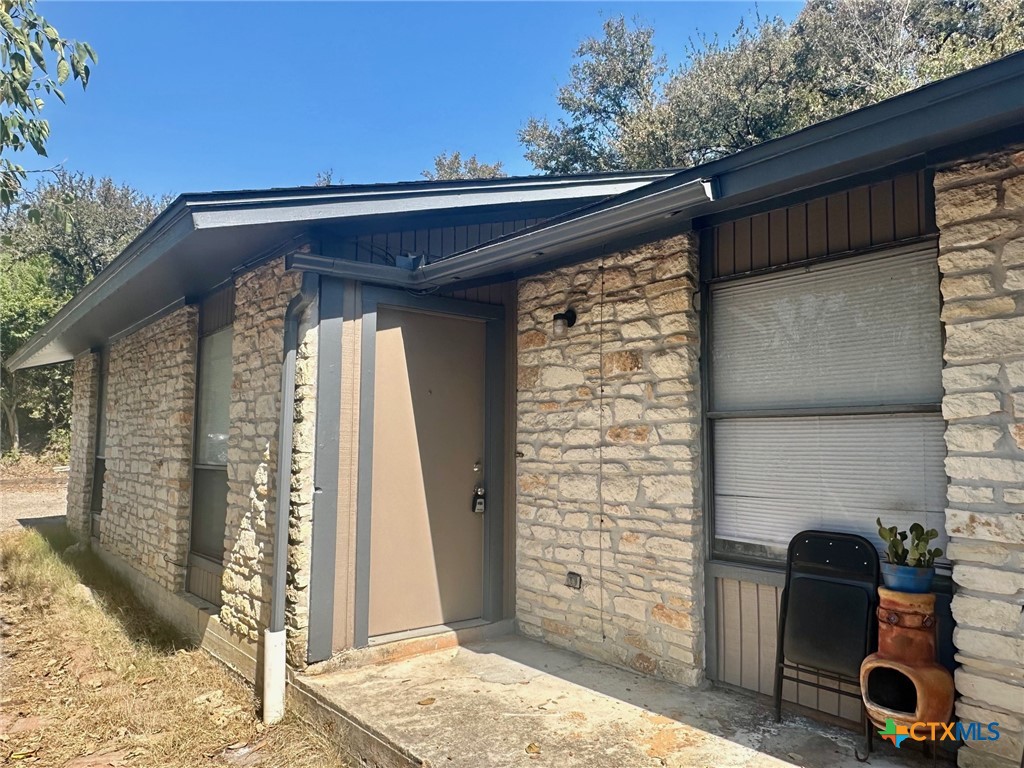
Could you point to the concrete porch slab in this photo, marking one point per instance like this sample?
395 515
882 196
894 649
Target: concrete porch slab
515 702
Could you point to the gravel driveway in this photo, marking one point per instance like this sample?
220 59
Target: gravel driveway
29 501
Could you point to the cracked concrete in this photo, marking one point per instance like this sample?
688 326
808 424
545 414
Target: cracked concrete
515 702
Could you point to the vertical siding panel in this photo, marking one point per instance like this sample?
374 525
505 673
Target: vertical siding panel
778 237
364 251
818 219
750 654
378 248
394 245
850 708
789 692
924 218
883 229
422 241
350 250
860 218
759 245
827 700
905 206
838 223
434 244
807 695
768 631
797 225
408 243
447 241
720 630
742 246
725 258
461 235
732 672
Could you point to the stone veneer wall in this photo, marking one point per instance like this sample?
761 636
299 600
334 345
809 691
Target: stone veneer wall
150 408
980 212
649 613
84 407
261 299
300 524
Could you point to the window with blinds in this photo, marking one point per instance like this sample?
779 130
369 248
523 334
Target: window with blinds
825 397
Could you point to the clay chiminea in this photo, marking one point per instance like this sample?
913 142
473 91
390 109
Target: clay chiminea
903 681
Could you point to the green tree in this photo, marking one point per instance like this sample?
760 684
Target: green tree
452 167
730 96
27 301
613 82
80 223
29 48
623 111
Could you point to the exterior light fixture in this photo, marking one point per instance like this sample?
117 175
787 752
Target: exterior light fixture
563 322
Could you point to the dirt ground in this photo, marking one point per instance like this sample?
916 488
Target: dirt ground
90 679
31 491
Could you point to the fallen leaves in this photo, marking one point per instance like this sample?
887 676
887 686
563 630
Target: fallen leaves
426 702
106 686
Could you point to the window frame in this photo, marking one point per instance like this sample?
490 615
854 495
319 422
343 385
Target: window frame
716 553
99 458
203 574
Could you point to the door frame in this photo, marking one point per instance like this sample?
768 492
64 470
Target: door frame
494 440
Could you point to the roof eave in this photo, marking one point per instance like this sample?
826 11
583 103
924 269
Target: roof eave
168 229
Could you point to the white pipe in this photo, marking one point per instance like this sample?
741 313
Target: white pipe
274 675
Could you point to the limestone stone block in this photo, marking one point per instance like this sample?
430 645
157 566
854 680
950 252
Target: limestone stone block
987 614
958 378
964 203
972 438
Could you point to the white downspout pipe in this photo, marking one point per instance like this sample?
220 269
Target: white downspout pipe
275 663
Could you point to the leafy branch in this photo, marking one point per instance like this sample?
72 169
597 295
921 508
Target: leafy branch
29 47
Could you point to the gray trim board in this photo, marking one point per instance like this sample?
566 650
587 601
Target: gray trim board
323 556
494 468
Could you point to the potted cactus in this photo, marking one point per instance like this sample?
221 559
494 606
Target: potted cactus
909 567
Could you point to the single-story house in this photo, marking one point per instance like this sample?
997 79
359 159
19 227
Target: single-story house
319 419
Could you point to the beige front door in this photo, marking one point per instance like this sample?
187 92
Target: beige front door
426 542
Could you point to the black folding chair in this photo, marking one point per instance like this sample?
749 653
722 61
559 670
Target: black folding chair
827 621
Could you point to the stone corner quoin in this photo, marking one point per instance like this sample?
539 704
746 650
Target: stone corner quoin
979 208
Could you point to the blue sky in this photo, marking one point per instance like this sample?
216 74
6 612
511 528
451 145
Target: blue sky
196 96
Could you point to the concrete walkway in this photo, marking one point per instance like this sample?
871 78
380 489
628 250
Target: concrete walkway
514 702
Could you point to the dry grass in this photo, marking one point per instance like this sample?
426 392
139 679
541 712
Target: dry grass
90 678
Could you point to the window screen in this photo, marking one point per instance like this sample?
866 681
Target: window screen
210 477
212 416
860 344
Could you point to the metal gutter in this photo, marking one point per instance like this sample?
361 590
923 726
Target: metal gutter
591 225
930 122
494 256
377 274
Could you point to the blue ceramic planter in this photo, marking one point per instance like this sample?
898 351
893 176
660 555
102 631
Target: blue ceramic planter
904 578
